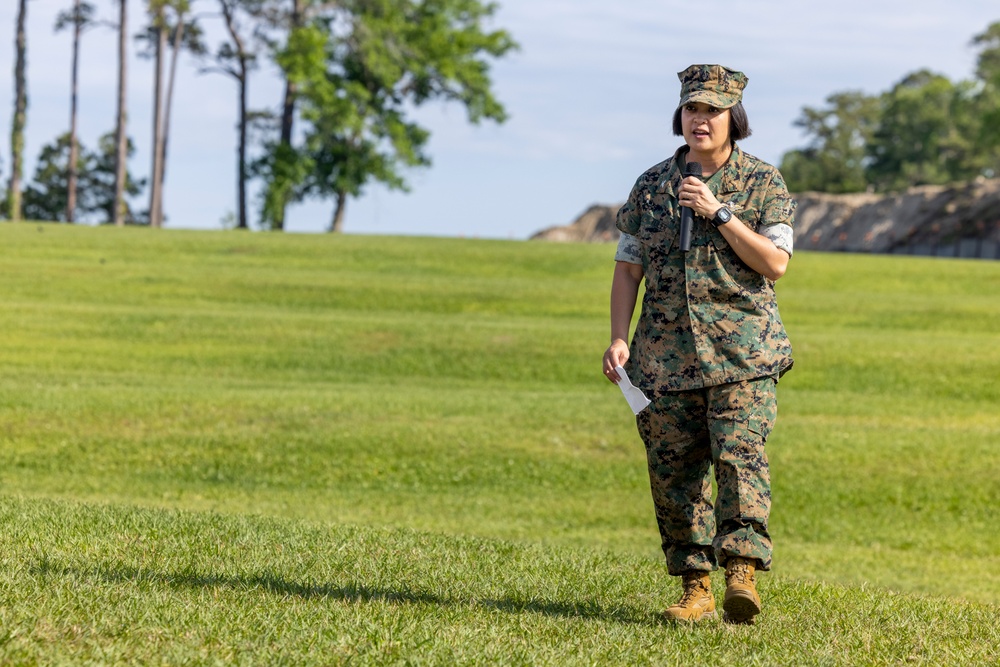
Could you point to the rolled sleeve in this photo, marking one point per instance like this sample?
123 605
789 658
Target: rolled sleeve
780 235
778 215
628 250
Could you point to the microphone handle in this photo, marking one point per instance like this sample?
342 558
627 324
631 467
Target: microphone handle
687 215
687 220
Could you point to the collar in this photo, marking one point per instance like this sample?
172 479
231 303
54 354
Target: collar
733 176
730 180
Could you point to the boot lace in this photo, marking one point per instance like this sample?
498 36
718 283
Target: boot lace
739 572
693 590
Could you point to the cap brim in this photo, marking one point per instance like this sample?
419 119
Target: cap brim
717 100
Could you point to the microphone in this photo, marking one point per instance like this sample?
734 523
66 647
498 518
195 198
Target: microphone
687 215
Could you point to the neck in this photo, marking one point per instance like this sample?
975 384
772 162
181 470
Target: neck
711 162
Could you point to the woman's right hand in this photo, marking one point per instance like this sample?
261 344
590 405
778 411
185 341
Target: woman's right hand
615 355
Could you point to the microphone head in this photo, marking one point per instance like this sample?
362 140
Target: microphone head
692 169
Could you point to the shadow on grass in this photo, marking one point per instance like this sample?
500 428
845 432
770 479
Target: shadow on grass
350 592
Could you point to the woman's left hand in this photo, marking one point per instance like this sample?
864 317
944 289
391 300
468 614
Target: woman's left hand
696 195
757 252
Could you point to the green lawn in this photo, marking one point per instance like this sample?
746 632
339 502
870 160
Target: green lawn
113 585
196 424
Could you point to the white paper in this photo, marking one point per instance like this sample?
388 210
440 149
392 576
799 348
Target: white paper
636 399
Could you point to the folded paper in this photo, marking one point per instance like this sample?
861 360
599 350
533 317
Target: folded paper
636 399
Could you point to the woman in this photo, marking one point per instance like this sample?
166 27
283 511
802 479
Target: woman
709 345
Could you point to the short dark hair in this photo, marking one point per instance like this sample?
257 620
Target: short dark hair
739 124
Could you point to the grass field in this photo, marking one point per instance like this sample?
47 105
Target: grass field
285 449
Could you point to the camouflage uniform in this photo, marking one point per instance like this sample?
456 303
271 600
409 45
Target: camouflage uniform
708 349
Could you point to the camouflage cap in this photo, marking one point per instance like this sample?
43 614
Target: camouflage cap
716 85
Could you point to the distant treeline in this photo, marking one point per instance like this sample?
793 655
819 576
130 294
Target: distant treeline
926 130
354 70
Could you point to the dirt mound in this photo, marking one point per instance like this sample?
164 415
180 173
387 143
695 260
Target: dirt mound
955 221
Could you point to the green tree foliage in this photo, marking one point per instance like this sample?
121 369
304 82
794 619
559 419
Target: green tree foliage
925 130
988 61
988 75
923 134
283 17
101 179
834 160
358 72
45 198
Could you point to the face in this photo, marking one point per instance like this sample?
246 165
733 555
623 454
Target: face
706 128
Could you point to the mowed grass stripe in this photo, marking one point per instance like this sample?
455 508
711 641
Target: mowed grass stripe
98 583
453 386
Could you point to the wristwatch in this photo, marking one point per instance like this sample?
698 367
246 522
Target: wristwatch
722 216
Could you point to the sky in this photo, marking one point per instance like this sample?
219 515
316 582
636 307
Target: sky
590 95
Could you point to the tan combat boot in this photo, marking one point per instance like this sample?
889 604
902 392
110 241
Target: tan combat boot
741 603
697 603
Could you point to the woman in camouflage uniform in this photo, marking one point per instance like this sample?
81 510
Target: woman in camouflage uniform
709 345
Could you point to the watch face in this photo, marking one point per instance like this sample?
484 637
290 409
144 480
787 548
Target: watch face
724 215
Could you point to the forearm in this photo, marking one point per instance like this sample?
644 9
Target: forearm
756 251
624 292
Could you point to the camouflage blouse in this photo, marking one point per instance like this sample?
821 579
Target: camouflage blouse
707 318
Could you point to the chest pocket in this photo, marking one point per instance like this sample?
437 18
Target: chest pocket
741 206
744 277
657 233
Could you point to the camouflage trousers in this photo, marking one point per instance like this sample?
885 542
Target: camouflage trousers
687 434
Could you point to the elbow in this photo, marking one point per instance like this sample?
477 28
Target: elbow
774 274
776 269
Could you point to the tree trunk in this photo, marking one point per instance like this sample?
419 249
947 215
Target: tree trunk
155 180
121 150
178 41
242 167
73 167
20 114
287 120
288 111
337 225
240 74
